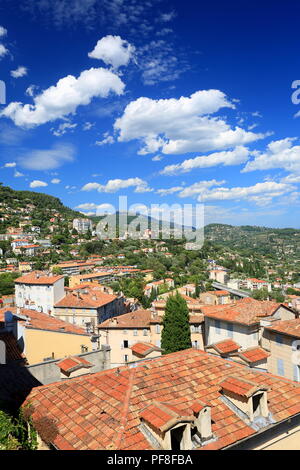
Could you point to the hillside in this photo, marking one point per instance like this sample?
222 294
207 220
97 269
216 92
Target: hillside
283 242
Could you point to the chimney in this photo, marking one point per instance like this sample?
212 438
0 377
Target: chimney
202 413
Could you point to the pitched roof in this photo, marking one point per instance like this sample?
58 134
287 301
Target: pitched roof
42 321
72 363
247 311
36 277
240 386
254 354
92 299
143 349
218 293
137 319
103 410
287 327
225 347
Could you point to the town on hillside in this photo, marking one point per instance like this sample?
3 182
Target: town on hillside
212 338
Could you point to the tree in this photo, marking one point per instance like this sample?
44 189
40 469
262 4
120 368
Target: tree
176 334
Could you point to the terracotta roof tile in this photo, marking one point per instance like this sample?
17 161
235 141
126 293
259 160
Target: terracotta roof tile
226 346
36 277
143 349
288 327
72 363
117 398
137 319
92 299
247 311
42 321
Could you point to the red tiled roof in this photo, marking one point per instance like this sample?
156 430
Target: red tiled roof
254 354
93 299
42 321
36 277
137 319
102 410
225 347
163 415
72 363
247 311
287 327
218 293
143 349
239 386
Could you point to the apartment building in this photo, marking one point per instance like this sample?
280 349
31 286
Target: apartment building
39 291
218 297
40 337
82 225
88 307
282 339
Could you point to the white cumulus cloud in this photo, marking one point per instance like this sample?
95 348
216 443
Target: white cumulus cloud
38 184
112 186
175 126
3 31
231 157
279 154
3 50
63 98
19 72
55 181
10 165
113 50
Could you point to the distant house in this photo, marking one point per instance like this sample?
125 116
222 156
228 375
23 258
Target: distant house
219 275
39 291
220 297
88 307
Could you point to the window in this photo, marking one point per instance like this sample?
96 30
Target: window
195 344
192 329
158 343
296 373
278 339
230 330
145 332
280 367
125 357
124 332
135 332
218 326
125 344
157 329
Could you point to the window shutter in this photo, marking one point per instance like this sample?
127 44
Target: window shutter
296 373
280 367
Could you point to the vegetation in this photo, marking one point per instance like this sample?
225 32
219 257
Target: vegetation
16 433
176 334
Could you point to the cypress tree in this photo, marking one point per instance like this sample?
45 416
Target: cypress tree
176 334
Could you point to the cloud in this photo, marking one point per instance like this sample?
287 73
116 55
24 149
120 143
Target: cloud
55 181
108 139
47 159
63 99
87 126
113 50
10 165
63 128
175 126
3 51
232 157
3 31
38 184
199 187
279 154
99 208
112 186
30 91
18 174
157 158
166 192
19 72
166 17
260 193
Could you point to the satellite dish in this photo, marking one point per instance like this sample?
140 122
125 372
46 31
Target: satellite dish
296 352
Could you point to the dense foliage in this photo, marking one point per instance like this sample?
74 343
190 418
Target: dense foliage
176 334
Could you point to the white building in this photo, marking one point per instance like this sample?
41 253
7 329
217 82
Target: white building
82 225
39 291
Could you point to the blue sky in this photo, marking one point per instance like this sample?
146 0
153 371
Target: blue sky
164 102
